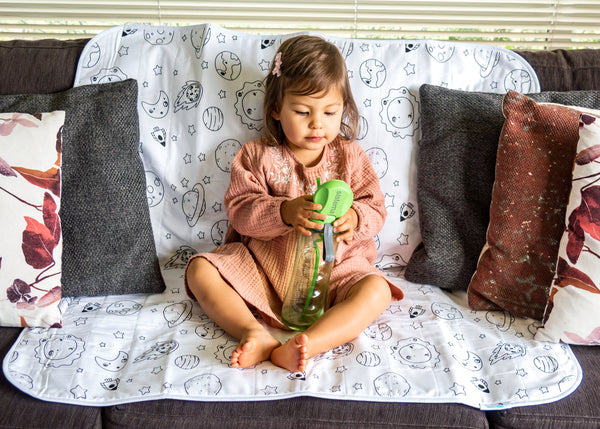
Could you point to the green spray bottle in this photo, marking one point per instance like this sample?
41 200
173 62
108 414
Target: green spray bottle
306 298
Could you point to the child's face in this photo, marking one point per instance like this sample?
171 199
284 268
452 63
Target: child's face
310 122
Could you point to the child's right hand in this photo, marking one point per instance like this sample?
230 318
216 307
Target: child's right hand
298 212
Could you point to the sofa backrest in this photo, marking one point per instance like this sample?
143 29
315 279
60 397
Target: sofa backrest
38 66
566 70
48 65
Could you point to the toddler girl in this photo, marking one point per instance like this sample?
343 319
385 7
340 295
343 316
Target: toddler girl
310 123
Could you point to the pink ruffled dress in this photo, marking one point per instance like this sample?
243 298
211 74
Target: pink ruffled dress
258 255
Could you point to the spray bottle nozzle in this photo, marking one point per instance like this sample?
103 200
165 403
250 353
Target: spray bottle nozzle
335 198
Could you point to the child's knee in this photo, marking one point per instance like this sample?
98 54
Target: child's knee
382 289
196 265
373 288
197 270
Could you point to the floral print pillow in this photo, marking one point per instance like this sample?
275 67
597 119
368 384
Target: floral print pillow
31 244
572 313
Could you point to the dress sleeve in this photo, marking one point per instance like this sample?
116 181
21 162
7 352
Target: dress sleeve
251 210
369 201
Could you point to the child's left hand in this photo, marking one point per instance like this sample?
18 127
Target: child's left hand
346 225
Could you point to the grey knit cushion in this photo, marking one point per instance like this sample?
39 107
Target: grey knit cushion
455 173
108 246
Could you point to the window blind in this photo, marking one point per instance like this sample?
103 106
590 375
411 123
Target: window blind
543 24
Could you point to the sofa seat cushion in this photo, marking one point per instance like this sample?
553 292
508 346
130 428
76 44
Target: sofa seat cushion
23 411
292 413
578 410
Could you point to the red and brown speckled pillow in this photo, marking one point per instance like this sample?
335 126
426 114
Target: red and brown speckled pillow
531 189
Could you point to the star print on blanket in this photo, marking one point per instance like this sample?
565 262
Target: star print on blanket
200 99
427 348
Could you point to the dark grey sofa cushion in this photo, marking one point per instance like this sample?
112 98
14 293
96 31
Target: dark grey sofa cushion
577 411
22 411
302 412
108 245
456 161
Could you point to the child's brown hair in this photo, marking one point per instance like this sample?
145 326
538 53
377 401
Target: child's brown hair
307 65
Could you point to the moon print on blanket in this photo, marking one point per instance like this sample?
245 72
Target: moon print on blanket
155 190
469 360
115 364
199 37
225 153
158 35
441 52
157 110
379 161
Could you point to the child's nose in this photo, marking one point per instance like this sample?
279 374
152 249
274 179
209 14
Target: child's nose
316 121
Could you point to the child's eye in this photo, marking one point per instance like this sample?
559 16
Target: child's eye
330 113
301 113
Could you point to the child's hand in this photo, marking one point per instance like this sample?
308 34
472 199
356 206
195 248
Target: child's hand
298 212
346 225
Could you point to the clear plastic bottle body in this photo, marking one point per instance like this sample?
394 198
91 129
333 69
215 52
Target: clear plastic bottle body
306 298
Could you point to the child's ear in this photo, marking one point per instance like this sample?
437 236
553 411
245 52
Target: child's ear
275 115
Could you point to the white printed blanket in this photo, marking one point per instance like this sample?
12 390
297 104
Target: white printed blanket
200 97
427 348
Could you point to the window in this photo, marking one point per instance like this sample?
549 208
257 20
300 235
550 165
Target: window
542 24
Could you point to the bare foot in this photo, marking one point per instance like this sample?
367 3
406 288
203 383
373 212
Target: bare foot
253 348
292 355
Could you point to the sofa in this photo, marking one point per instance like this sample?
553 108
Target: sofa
48 66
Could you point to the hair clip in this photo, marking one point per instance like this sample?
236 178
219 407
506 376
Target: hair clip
277 67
